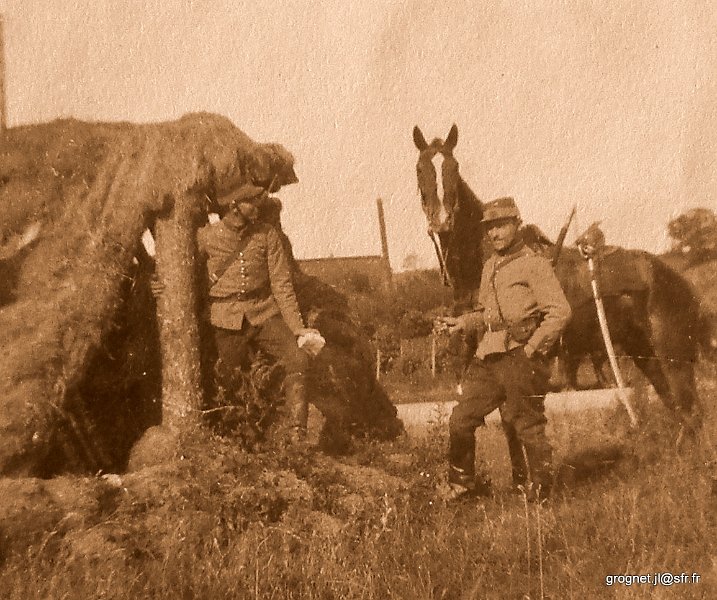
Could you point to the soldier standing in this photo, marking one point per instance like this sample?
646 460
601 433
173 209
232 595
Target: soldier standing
520 311
252 299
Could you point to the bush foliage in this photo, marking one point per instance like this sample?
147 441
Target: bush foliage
694 234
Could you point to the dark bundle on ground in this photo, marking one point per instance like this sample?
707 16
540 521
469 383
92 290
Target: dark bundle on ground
342 377
80 375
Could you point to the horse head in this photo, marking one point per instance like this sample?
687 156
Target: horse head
438 179
452 210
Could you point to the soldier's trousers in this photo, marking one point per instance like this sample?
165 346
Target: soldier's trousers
273 337
516 385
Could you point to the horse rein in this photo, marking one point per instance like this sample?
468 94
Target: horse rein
440 255
441 259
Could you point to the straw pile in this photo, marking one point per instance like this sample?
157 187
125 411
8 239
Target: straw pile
80 375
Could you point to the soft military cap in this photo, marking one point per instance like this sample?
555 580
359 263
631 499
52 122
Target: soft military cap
244 193
502 208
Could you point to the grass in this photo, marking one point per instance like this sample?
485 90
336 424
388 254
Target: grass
371 526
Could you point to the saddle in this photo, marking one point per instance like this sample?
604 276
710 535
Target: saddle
619 272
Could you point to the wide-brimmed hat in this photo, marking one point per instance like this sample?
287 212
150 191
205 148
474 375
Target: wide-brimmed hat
501 208
244 193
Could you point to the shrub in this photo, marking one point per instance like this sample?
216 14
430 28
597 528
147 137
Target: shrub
695 234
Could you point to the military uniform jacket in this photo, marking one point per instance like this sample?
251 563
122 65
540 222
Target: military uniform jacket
520 292
256 284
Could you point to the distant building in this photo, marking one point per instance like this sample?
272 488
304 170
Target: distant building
355 273
350 273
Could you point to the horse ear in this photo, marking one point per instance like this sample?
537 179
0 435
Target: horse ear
418 139
452 138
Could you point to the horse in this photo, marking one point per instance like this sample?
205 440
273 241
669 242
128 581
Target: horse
654 315
454 214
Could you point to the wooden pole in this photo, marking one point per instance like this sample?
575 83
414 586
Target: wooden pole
177 318
3 102
622 392
433 355
384 241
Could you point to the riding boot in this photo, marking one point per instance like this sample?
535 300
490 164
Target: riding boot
540 465
297 408
462 484
462 480
461 452
519 468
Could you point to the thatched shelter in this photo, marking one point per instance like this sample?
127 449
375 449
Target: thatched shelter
81 376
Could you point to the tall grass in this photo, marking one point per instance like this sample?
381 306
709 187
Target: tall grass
632 504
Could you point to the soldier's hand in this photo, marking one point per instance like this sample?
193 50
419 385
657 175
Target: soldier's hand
449 324
156 286
310 331
310 340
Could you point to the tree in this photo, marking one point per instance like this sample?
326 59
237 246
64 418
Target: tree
694 234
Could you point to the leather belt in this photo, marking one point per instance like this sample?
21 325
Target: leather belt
258 294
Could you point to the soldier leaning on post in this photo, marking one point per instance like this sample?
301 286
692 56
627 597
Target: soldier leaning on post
252 301
520 313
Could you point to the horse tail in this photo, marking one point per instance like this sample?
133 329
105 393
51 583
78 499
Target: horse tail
708 339
672 292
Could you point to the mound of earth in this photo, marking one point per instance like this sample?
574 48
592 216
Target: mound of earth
210 494
81 376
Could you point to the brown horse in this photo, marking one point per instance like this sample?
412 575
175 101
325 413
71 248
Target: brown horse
454 214
653 313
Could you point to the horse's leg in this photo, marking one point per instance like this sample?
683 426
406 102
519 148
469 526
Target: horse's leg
677 356
597 359
563 370
581 340
639 348
658 350
563 373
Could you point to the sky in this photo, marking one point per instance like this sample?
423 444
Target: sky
607 105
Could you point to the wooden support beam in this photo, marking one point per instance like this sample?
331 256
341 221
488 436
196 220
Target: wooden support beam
177 318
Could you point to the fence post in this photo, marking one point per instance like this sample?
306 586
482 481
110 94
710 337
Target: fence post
433 354
378 362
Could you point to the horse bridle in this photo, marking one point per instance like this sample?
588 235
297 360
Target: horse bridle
441 255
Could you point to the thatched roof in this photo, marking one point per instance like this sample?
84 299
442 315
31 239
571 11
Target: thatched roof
74 200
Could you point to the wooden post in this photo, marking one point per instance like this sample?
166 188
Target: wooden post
384 241
378 363
433 354
177 318
3 102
